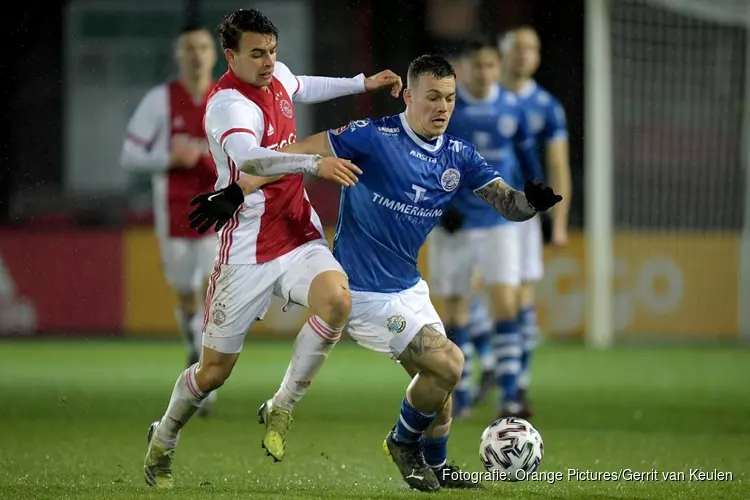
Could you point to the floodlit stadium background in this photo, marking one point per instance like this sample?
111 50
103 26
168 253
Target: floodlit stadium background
656 95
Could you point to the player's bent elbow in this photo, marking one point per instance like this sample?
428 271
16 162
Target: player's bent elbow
251 168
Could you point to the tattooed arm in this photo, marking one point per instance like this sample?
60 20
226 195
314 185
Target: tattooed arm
508 202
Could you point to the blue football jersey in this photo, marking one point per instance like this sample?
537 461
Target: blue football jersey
406 184
498 128
544 114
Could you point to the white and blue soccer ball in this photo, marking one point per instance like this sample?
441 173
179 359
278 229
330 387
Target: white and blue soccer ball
511 448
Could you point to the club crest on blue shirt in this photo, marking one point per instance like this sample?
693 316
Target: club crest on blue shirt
450 178
341 130
507 125
536 121
395 324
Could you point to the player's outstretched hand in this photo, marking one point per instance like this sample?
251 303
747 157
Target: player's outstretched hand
540 197
385 79
452 220
339 171
215 209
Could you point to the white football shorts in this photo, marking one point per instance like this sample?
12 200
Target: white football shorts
240 294
532 250
387 322
494 253
187 262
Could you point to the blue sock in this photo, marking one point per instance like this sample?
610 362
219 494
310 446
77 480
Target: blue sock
484 351
528 326
507 345
462 394
411 423
435 451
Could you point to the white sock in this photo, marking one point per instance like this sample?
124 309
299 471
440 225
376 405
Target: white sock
196 328
185 325
488 361
311 348
185 401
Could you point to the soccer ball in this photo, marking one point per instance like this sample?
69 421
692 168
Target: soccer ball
511 448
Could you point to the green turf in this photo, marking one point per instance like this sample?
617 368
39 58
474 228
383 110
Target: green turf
74 417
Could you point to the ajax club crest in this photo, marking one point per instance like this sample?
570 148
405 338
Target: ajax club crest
286 108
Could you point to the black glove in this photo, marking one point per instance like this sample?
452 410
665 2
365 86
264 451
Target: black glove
546 227
215 208
452 220
539 196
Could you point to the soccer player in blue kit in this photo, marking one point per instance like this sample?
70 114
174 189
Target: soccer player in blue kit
410 172
475 238
546 117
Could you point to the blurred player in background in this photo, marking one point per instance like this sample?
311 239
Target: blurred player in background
475 238
479 347
271 239
546 118
165 137
411 173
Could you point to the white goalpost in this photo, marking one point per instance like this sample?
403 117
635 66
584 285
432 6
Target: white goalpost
667 158
599 323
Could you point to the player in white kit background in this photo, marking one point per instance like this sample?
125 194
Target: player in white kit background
270 239
410 172
165 137
474 238
546 117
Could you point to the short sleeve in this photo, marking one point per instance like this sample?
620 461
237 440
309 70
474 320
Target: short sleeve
352 141
227 115
478 172
556 123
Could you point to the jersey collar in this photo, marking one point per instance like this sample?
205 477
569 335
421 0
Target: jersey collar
466 96
432 148
528 89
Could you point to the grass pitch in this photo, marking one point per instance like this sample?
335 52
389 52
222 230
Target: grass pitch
74 416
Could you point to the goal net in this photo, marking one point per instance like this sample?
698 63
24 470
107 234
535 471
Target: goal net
678 130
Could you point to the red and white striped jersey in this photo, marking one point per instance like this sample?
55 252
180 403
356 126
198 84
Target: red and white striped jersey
279 217
165 115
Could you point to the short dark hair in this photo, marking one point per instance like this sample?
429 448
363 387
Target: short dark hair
240 21
430 64
474 46
191 28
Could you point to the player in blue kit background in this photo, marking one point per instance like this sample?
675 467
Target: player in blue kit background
546 117
475 238
411 171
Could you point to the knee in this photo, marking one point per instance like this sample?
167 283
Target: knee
337 306
526 295
451 367
457 311
186 302
341 303
505 302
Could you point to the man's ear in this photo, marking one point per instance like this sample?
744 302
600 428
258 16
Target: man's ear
407 96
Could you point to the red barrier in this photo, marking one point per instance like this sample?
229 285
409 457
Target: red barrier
67 282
